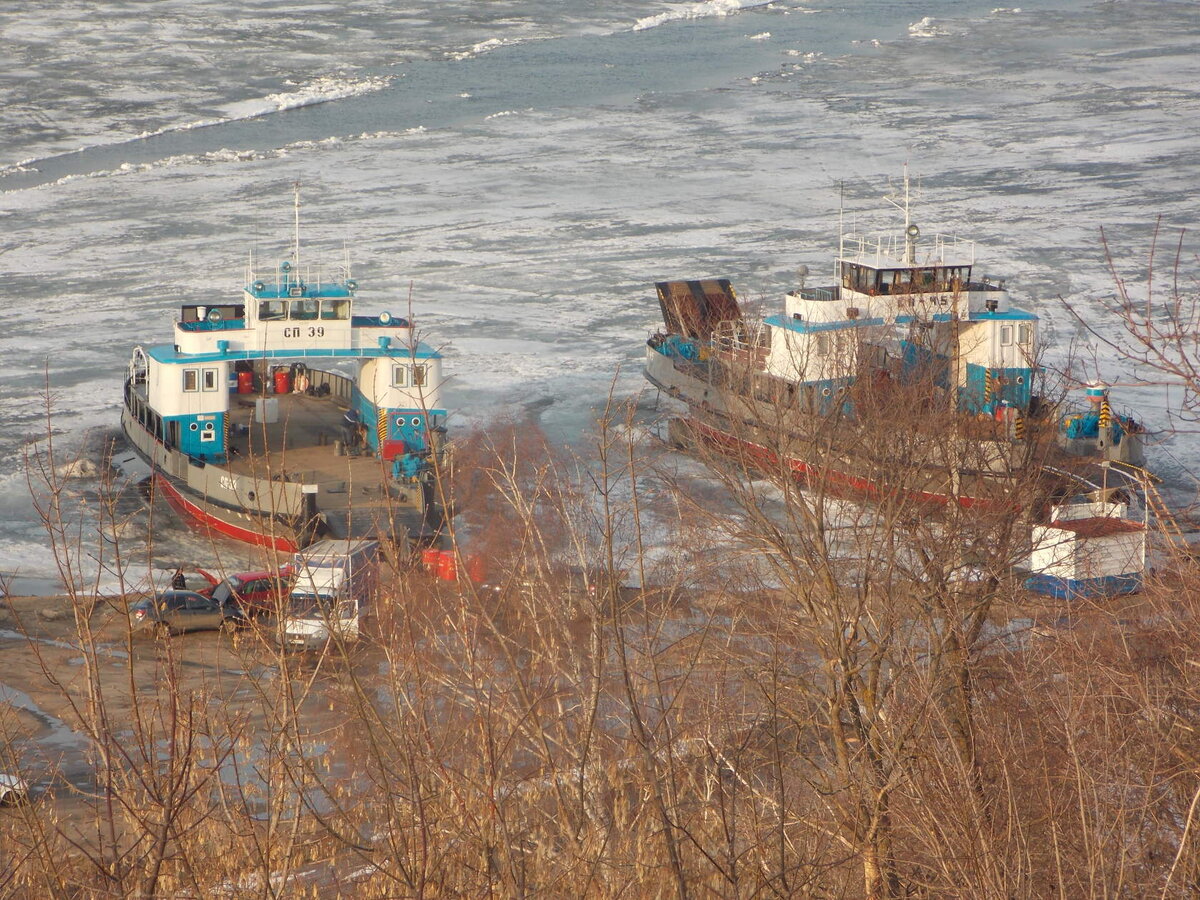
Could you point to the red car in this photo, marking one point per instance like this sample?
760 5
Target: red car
258 593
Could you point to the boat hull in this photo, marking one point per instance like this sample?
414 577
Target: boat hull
350 498
840 460
828 475
239 526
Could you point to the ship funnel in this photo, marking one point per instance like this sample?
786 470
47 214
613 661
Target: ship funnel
802 272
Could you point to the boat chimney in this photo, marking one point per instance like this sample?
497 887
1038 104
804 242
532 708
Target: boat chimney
802 273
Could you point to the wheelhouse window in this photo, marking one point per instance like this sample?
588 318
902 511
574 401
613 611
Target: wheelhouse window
336 308
1024 335
210 379
305 310
191 379
859 278
1006 335
399 376
271 309
418 376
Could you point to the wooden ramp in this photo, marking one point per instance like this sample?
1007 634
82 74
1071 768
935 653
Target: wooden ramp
694 308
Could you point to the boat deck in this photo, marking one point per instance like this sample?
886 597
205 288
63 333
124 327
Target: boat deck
300 447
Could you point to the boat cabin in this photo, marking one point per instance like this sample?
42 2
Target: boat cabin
291 322
902 308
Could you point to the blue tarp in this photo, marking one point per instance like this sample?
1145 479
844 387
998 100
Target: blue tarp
1082 588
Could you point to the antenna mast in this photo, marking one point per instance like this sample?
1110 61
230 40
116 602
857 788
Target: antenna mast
911 231
296 207
841 217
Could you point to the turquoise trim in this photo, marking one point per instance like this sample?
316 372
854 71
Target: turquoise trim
804 327
307 291
971 396
1012 315
190 442
936 317
373 322
168 355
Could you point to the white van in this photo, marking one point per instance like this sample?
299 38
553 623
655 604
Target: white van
336 581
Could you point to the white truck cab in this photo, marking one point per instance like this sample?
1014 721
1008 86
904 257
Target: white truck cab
336 582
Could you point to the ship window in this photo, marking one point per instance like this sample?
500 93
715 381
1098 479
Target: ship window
194 427
210 379
415 422
1024 335
335 309
418 376
1005 335
305 309
191 379
207 437
271 309
399 376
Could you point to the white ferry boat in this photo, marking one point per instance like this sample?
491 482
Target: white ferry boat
283 416
813 390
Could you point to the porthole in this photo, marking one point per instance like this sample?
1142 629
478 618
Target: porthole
194 427
825 392
250 495
1020 379
400 421
208 426
416 421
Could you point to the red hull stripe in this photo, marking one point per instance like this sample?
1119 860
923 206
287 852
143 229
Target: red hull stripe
190 510
767 459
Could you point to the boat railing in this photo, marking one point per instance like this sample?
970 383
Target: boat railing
221 325
261 494
740 334
310 274
881 251
823 295
340 387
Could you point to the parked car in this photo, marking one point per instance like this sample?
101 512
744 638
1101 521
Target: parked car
257 593
13 790
179 611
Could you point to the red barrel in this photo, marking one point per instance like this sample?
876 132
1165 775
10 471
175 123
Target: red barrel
477 569
431 560
245 382
283 381
448 566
